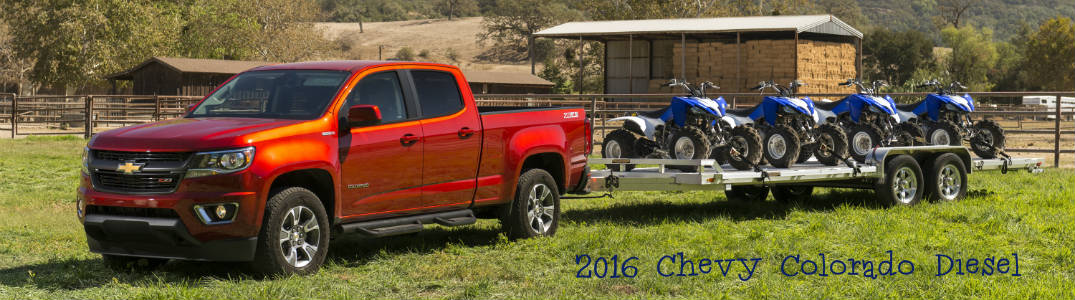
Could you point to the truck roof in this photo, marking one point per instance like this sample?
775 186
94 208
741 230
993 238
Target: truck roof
343 65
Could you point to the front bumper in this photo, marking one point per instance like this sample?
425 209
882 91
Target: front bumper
160 238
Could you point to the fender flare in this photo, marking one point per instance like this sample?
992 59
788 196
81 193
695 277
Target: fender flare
642 128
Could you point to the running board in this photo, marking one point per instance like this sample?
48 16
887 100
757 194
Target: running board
409 224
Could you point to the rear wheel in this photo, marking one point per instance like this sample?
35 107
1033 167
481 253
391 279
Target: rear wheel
831 146
989 139
747 193
790 194
294 234
781 146
535 210
864 138
743 151
947 178
689 143
903 183
944 133
909 134
619 143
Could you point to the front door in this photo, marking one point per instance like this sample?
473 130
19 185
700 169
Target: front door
381 171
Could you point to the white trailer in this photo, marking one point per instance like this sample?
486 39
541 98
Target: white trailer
899 175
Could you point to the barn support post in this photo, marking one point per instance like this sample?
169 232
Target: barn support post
738 80
530 54
156 107
858 59
630 64
796 56
14 115
581 66
89 116
683 56
1056 138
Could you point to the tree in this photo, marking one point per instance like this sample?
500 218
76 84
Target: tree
953 11
847 10
269 30
1050 55
13 69
462 8
973 55
509 27
648 9
895 56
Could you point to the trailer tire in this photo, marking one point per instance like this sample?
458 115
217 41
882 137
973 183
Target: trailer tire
944 131
781 146
903 183
862 139
619 143
536 194
747 141
947 178
747 193
295 204
989 134
831 144
689 143
792 194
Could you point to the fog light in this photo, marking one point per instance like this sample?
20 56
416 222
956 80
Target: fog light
213 214
221 212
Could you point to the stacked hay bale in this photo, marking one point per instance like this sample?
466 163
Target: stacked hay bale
823 65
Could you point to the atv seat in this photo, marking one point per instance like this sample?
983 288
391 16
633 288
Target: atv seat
654 114
910 106
742 111
831 105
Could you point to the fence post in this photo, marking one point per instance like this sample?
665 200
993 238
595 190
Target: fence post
14 115
1056 143
89 116
156 107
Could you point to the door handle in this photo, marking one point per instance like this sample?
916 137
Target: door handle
408 139
465 132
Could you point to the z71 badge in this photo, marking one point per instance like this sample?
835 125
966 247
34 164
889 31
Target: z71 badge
571 115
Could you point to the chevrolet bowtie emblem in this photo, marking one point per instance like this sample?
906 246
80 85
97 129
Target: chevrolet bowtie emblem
130 167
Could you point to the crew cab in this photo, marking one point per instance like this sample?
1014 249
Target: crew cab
279 159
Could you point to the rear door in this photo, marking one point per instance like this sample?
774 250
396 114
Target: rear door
452 139
381 174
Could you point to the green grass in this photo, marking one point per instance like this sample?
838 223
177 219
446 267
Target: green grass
43 252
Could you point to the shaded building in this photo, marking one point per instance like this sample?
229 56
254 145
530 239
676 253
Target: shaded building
486 82
180 76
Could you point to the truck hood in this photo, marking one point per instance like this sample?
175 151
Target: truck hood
185 134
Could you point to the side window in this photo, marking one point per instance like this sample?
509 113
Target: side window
438 94
383 90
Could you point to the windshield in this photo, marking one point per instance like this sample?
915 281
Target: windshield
279 94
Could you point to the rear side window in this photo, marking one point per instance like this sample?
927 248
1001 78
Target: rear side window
438 94
383 90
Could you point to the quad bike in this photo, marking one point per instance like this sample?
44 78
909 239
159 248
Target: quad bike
689 128
870 121
945 118
789 131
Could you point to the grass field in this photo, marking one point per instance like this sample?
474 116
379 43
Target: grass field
43 252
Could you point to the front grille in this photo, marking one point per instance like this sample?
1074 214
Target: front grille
139 183
148 212
141 156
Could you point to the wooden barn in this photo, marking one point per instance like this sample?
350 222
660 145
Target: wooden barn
180 76
487 82
735 52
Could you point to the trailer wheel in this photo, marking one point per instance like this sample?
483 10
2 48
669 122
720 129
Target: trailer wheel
944 133
947 178
747 193
536 208
903 183
689 143
863 138
791 194
747 143
619 143
989 140
831 144
781 146
294 235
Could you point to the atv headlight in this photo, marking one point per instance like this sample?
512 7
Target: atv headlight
697 111
874 109
789 110
220 162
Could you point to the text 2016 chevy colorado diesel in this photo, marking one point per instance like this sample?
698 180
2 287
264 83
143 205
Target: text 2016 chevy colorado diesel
279 158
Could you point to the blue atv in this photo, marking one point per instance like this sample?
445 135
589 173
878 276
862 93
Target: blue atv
689 128
789 131
869 120
945 118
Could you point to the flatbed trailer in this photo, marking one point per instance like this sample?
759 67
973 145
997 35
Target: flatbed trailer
900 175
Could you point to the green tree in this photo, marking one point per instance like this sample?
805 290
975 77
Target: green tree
269 30
973 55
1050 55
461 8
508 27
895 56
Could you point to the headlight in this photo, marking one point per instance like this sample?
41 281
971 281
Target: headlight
220 162
696 110
789 110
874 109
85 160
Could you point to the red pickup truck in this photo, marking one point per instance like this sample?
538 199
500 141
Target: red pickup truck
280 158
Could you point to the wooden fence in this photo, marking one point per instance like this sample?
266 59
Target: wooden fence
86 114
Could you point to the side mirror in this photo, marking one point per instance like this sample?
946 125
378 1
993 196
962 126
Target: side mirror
363 115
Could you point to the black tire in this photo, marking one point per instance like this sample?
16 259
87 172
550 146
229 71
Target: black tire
624 142
695 146
947 178
938 131
121 263
989 140
771 146
747 143
863 138
909 134
790 194
747 193
831 144
806 152
292 209
516 223
903 183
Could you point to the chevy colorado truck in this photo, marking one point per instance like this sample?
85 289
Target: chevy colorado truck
280 158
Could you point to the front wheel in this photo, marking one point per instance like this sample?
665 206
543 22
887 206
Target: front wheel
864 138
743 151
781 146
689 143
831 146
909 134
294 234
944 133
535 211
619 143
989 139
